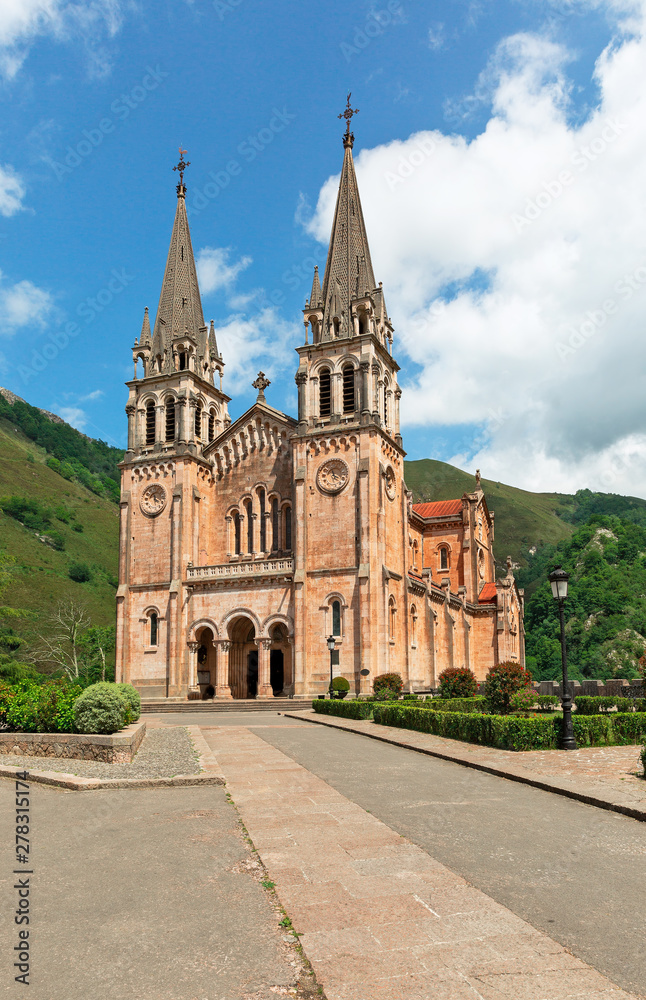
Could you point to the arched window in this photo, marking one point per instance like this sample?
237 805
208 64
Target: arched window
288 528
150 422
211 425
263 520
249 515
325 397
336 618
274 525
444 557
182 361
363 324
392 618
315 329
154 628
198 423
415 554
170 419
385 404
413 625
348 389
337 326
237 541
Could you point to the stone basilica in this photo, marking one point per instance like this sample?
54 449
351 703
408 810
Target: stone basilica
245 544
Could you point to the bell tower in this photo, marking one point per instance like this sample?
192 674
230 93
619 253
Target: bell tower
350 499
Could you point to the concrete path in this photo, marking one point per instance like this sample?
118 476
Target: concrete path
143 895
609 777
379 917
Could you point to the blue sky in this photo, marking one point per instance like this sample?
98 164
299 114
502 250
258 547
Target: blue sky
98 96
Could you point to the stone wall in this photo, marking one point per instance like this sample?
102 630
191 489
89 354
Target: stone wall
615 688
120 748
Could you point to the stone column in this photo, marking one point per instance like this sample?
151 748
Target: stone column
365 387
222 689
192 666
131 410
159 425
264 684
180 417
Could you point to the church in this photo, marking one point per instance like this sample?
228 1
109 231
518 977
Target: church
246 544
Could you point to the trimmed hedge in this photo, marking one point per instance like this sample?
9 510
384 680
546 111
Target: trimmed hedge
598 704
475 704
344 709
510 732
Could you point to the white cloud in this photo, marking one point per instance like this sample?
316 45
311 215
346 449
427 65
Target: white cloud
91 21
23 305
91 396
12 191
73 415
504 316
436 36
215 271
253 342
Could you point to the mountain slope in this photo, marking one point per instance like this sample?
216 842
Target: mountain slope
40 578
523 520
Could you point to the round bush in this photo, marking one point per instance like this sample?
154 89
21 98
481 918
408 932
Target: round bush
388 683
502 682
132 699
101 709
458 682
79 572
340 686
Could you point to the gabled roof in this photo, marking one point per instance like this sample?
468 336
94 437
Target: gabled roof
439 508
259 409
488 593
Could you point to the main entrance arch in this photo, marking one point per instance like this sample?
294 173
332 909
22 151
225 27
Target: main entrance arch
243 657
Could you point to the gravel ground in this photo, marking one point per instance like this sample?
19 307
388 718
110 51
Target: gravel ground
162 754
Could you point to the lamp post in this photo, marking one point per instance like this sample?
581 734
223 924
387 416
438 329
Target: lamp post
331 643
559 580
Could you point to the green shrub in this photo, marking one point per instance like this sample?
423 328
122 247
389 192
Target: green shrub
458 682
79 572
56 540
386 684
340 687
12 671
643 756
523 701
22 709
132 698
56 707
101 708
344 709
475 704
547 702
502 682
511 732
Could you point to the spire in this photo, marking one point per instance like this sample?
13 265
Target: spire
316 296
348 266
180 308
145 338
213 344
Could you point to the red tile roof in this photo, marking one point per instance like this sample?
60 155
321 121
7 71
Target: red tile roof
488 593
439 508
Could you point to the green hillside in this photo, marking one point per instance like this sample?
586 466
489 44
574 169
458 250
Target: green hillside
523 520
88 532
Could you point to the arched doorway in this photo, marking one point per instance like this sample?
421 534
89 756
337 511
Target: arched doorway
280 660
205 663
243 658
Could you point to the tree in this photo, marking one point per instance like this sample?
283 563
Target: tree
94 644
61 640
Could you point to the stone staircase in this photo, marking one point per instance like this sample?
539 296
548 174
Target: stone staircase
246 705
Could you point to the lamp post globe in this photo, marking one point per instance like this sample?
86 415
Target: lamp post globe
559 582
331 644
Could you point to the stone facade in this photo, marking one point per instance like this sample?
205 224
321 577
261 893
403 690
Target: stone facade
245 545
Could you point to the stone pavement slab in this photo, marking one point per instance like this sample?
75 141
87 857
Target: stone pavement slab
379 918
608 777
144 895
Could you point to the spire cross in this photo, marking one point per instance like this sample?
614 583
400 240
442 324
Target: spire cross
348 114
182 165
261 384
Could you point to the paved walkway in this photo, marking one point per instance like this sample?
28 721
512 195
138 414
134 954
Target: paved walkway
605 776
379 918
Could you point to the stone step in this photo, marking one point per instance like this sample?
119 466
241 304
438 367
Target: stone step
245 705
